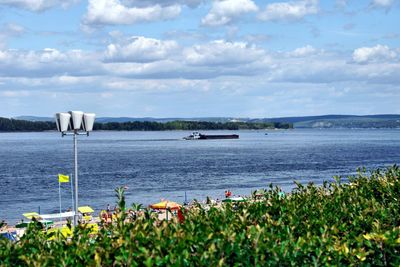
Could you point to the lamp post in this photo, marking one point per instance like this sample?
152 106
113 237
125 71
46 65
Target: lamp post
75 123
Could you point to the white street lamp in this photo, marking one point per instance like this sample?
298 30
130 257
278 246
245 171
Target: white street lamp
75 123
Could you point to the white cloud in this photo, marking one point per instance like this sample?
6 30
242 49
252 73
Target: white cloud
223 53
341 3
227 75
143 58
9 30
382 3
378 53
167 69
225 11
140 49
47 63
144 3
210 60
37 5
304 51
13 29
15 93
294 10
113 12
69 80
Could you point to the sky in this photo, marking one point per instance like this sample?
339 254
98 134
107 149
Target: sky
199 58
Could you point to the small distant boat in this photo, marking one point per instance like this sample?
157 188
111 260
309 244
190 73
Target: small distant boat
199 136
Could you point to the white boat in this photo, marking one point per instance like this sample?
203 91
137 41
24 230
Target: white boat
193 136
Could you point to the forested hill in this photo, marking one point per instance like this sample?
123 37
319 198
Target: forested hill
189 125
32 123
340 121
12 125
323 121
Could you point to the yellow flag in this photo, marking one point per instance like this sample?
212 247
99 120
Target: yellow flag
63 178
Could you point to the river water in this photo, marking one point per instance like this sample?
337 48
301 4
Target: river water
156 165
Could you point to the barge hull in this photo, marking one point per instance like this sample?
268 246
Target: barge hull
231 136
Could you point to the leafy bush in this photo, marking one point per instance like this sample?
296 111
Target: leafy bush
352 223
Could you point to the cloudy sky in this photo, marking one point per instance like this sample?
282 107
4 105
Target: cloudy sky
196 58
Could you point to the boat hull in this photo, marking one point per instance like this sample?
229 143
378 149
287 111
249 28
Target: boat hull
221 136
199 136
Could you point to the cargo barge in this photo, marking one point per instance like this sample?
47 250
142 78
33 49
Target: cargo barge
199 136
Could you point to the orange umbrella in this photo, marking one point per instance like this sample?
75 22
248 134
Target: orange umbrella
163 205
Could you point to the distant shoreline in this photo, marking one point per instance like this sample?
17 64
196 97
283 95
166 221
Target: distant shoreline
300 128
12 125
278 129
383 121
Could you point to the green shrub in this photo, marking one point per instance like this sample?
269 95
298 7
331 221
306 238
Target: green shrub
352 223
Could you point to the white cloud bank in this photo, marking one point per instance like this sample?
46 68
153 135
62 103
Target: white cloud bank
221 52
209 78
113 12
47 63
145 58
382 3
142 3
378 53
140 49
9 30
37 5
304 51
286 11
226 11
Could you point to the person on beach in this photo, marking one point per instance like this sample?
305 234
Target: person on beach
103 216
109 212
3 225
181 218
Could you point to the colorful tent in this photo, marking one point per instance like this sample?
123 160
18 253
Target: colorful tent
31 215
163 205
85 209
86 212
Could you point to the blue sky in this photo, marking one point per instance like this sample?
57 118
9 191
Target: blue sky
197 58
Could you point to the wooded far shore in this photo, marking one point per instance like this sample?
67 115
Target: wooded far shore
13 125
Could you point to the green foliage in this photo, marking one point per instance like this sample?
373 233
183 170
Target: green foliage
347 224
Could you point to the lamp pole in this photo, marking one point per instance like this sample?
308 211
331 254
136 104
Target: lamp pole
76 177
78 123
75 134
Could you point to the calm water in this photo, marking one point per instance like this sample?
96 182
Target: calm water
157 165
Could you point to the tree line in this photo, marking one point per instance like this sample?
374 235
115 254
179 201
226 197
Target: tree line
12 125
187 125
